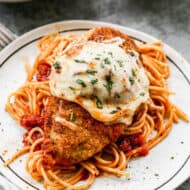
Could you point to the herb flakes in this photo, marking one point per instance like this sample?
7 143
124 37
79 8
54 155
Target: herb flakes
142 94
99 103
120 63
81 82
109 83
56 65
116 95
107 61
133 72
102 65
132 80
110 53
80 61
91 72
94 81
71 88
113 111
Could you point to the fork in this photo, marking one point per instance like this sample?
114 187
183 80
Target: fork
6 36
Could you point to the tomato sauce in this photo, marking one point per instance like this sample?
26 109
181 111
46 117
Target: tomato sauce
30 121
44 70
128 143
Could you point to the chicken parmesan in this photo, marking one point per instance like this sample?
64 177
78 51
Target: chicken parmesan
90 104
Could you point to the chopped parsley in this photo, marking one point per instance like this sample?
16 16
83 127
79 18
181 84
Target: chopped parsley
91 72
108 86
79 61
71 88
110 53
115 67
109 83
120 63
132 80
116 95
102 65
97 58
81 82
94 81
133 73
98 101
107 61
113 111
72 116
56 65
142 94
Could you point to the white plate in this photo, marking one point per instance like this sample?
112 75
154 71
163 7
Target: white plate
156 171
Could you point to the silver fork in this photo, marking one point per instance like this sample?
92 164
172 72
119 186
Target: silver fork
6 36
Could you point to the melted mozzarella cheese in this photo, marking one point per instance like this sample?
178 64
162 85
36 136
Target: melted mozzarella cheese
103 78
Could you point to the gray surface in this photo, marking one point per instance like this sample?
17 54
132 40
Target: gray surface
166 20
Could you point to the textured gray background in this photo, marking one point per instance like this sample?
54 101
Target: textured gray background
168 20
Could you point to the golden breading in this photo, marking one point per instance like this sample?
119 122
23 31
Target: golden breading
74 146
105 33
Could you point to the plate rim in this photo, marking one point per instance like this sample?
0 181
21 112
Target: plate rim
5 54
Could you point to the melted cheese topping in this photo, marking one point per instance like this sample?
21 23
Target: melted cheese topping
102 78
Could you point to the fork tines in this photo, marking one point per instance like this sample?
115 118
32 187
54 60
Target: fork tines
6 36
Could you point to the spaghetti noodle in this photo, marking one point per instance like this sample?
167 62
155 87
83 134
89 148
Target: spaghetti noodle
157 115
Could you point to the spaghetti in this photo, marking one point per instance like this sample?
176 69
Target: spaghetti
157 115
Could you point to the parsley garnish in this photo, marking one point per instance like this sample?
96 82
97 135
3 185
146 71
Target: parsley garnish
94 81
102 65
116 95
72 116
120 63
107 61
92 72
81 82
109 83
97 58
142 94
56 65
98 101
71 88
133 73
79 61
113 111
110 53
108 86
132 80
